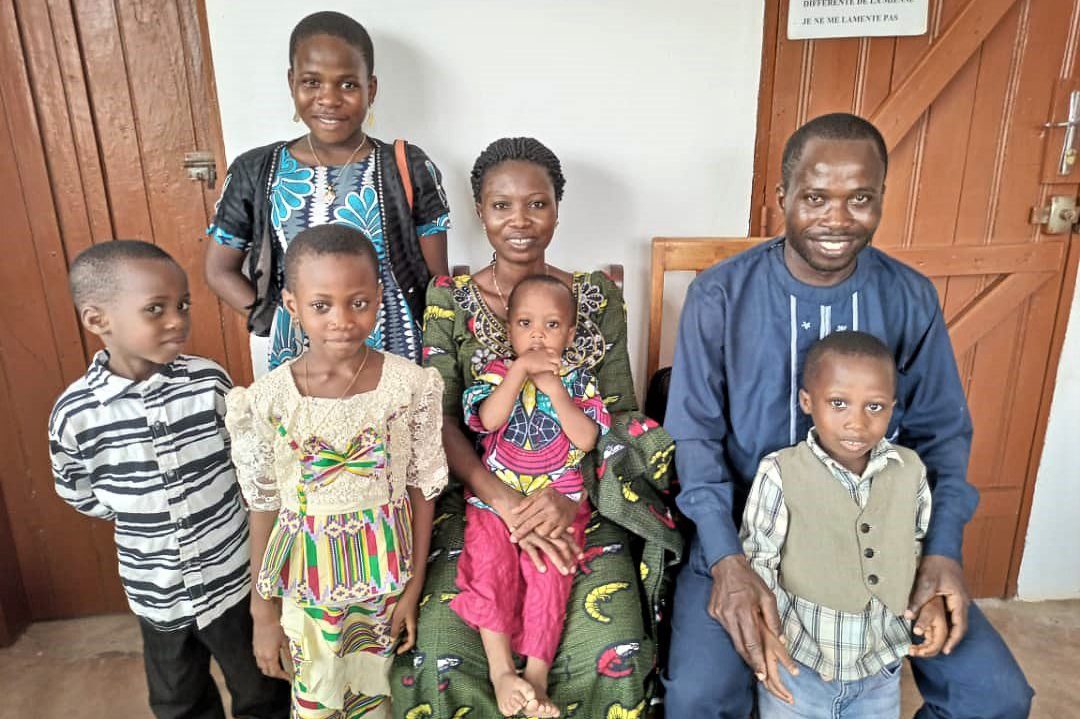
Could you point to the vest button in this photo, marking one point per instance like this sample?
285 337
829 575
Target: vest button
868 553
872 579
864 528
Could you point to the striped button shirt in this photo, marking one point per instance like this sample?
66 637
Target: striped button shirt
837 645
153 457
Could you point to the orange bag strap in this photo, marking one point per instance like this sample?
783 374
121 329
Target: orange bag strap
403 170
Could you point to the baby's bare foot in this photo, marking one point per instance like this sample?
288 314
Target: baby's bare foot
512 692
541 705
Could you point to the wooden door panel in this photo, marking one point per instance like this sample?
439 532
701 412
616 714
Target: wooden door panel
961 110
120 89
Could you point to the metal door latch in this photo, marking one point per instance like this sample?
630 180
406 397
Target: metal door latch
1058 217
200 165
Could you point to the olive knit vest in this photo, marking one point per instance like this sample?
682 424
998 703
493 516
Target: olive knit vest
838 555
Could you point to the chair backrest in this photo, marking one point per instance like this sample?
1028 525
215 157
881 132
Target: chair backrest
683 254
615 272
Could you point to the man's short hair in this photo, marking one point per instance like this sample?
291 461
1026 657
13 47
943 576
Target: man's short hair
96 273
835 126
846 344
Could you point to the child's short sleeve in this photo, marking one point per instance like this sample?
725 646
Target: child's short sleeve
490 378
252 451
586 395
427 464
234 213
431 211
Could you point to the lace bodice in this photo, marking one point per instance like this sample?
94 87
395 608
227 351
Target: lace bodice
385 439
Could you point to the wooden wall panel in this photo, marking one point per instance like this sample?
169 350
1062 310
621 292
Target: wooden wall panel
961 109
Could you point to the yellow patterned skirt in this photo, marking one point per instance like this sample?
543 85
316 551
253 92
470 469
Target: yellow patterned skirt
341 659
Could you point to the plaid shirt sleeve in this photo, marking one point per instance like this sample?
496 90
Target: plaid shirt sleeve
765 522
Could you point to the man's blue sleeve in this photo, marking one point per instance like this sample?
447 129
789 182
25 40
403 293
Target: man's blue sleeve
696 418
937 425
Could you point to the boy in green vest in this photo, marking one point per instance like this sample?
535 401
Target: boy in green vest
834 526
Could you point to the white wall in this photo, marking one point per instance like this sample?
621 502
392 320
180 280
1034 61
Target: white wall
1051 565
651 106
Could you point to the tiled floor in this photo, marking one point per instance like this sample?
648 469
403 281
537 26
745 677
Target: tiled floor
92 668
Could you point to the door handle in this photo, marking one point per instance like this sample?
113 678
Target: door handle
1068 148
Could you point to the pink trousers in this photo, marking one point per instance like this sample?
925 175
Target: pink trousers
501 590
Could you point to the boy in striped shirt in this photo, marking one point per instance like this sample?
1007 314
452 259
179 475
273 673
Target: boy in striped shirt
140 440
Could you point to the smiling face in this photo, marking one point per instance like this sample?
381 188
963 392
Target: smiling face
146 323
331 89
518 209
336 298
541 316
832 208
851 399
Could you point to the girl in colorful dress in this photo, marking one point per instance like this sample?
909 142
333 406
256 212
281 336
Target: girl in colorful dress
336 173
537 419
338 456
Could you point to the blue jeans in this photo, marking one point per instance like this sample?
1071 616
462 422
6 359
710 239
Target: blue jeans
707 679
875 697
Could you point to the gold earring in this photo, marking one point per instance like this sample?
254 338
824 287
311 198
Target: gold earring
296 116
370 116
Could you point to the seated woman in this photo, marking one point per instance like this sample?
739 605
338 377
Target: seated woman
605 666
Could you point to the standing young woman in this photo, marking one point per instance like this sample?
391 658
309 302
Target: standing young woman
334 173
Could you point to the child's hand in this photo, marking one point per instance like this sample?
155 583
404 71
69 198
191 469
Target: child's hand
549 383
933 627
269 644
775 655
404 616
538 362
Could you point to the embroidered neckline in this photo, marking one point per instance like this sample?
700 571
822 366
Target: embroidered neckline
589 345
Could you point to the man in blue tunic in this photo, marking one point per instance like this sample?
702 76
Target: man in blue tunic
745 330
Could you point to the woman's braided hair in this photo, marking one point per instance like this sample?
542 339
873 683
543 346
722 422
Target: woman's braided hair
524 149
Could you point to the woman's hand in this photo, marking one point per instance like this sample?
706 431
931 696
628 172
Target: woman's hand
562 552
560 549
548 513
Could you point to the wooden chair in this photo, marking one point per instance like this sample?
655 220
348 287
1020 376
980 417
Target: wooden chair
615 272
683 254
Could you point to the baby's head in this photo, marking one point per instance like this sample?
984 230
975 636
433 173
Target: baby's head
134 296
332 287
541 313
849 388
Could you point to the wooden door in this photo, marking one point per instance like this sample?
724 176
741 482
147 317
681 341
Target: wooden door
101 99
962 110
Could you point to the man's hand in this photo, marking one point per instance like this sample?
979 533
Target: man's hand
741 602
933 627
941 576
